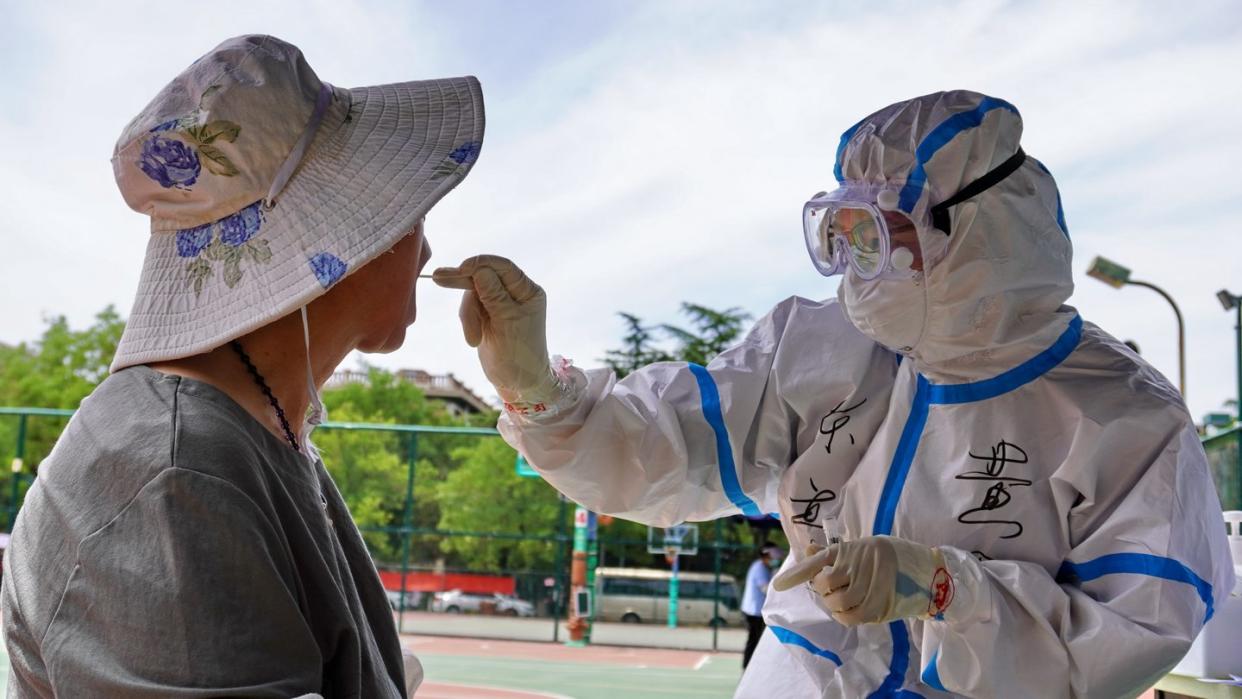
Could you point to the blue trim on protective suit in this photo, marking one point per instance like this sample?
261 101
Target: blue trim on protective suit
1016 377
724 451
845 140
903 456
893 485
927 394
937 139
1060 209
931 674
1137 564
790 638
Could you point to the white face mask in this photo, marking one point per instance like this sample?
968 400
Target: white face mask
893 312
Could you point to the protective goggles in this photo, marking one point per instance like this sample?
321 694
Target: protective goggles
860 226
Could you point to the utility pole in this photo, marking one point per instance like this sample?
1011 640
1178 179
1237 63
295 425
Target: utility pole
579 585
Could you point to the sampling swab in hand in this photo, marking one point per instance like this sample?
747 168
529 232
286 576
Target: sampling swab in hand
809 567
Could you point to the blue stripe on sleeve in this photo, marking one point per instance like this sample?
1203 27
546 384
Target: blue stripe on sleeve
790 638
1137 564
724 451
931 674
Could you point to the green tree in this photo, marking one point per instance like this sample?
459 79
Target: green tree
63 366
371 467
713 332
638 348
484 493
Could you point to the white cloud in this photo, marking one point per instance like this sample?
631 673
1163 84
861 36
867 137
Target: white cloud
668 160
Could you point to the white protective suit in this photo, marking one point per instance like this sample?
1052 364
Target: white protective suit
1059 474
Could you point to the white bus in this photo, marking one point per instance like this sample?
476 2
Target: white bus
636 595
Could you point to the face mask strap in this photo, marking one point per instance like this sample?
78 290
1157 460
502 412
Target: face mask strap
940 212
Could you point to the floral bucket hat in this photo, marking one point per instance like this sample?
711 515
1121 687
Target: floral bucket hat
266 186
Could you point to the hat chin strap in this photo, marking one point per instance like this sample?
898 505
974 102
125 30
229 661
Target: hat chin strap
287 168
317 412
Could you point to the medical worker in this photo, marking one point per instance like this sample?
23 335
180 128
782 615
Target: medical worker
1022 505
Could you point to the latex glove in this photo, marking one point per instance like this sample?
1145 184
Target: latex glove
874 580
503 314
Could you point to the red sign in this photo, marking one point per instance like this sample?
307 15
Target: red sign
426 581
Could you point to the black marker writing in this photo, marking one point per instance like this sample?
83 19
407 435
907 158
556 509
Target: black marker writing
836 419
810 514
998 494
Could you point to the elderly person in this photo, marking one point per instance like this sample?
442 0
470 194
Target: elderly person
986 495
183 538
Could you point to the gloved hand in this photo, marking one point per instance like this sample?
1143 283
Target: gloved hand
875 579
503 315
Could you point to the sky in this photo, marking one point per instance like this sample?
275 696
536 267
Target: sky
642 154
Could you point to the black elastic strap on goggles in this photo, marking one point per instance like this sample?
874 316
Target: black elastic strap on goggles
940 212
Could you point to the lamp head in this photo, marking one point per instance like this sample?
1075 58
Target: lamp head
1109 272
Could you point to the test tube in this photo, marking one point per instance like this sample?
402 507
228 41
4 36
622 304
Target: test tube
832 533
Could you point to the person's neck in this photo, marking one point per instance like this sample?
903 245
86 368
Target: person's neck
278 352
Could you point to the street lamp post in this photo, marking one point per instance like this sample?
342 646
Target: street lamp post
1234 303
1118 276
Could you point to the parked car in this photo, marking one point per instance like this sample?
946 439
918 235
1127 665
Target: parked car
457 602
636 595
413 599
513 606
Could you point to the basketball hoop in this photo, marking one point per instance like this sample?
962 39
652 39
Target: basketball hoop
671 542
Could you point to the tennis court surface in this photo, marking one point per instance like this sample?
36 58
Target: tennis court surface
457 668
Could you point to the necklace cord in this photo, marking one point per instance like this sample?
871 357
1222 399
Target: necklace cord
258 379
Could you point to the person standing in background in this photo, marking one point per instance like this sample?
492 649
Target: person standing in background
758 577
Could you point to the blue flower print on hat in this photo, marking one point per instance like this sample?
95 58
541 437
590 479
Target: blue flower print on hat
456 162
328 268
466 152
241 226
231 241
176 163
169 162
192 241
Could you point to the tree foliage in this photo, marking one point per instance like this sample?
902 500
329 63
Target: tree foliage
484 493
638 348
711 333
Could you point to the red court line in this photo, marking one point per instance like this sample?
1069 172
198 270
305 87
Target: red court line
556 652
451 690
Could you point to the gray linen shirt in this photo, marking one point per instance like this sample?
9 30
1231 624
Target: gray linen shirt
173 547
